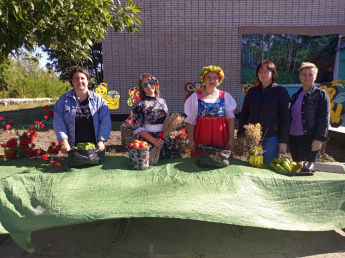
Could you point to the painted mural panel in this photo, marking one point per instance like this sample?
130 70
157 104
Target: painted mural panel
287 52
336 93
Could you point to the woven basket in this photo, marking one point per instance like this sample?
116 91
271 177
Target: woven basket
212 155
127 134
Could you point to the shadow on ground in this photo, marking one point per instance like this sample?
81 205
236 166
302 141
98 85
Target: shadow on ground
156 237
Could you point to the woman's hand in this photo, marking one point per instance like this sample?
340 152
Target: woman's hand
158 143
100 145
282 147
149 138
230 144
240 142
316 145
65 147
192 146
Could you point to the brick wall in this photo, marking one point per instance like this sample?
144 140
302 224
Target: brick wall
178 38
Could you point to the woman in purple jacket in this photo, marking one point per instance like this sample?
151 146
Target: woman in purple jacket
310 111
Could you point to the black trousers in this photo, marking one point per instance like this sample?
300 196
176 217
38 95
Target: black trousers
300 148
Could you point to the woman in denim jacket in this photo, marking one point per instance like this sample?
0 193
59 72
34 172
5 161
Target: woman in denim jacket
81 115
310 111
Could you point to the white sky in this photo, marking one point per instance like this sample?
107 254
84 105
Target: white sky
44 58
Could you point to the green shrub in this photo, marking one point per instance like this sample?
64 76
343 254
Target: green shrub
27 80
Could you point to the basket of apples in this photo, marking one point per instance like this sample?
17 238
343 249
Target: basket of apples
139 154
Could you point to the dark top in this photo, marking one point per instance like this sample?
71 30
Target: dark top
84 129
270 107
315 112
327 77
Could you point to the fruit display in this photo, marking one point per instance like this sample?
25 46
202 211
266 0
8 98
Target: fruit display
139 154
283 165
84 146
137 144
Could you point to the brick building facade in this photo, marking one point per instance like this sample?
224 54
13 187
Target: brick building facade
178 38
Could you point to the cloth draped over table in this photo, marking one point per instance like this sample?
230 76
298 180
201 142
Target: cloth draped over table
34 196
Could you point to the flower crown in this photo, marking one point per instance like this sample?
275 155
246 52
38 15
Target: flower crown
211 69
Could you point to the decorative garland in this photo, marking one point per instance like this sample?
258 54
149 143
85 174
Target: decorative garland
212 69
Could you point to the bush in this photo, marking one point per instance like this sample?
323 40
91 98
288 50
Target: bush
27 80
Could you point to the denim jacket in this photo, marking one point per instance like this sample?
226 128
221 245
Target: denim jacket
64 116
315 112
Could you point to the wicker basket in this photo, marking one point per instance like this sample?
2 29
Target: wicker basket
212 155
127 134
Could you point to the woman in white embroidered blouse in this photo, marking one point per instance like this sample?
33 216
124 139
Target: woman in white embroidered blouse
210 113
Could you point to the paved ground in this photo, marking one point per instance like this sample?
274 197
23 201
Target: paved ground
154 237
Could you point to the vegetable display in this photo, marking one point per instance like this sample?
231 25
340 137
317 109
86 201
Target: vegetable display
283 165
84 146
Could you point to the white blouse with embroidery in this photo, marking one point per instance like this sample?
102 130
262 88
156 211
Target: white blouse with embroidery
191 107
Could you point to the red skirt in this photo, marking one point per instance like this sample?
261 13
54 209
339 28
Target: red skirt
210 130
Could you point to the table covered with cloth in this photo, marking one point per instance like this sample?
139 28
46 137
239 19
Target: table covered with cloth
34 196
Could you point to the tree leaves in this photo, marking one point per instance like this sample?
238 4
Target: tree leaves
68 26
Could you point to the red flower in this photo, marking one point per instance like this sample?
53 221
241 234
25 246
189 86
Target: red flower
26 140
10 122
10 155
41 126
1 118
46 107
24 147
51 150
3 145
45 117
12 143
53 143
51 113
44 157
8 127
57 164
34 153
52 161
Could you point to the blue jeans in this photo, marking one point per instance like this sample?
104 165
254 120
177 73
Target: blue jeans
270 145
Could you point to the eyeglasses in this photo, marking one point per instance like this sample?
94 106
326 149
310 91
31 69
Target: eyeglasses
145 84
264 71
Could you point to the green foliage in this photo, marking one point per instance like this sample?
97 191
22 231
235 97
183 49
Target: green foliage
62 66
249 76
27 80
71 27
287 52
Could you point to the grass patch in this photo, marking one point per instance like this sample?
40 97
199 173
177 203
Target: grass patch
26 105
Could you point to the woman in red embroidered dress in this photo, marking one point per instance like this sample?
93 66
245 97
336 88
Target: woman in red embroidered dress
210 113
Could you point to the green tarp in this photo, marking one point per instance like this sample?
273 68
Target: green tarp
34 196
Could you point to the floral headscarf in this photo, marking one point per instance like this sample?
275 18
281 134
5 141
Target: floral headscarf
211 69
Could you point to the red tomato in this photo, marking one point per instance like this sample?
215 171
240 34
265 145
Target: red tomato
136 141
136 145
130 145
143 145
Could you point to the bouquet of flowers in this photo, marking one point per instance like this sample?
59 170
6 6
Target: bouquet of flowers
254 149
182 143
